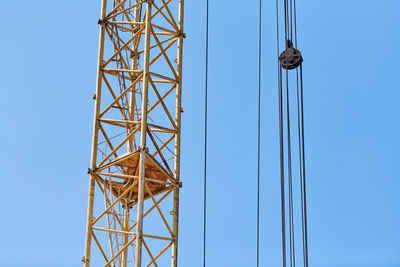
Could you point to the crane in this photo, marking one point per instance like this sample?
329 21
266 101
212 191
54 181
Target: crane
133 202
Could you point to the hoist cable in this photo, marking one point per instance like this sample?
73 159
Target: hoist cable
281 140
281 148
290 35
304 171
295 23
291 19
301 148
259 132
205 141
285 16
290 177
300 161
301 151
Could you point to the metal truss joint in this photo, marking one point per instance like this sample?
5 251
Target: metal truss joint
102 21
182 34
134 54
143 148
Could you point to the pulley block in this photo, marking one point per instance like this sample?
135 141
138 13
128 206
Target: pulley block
290 58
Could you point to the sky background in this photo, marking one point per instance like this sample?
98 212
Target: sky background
48 52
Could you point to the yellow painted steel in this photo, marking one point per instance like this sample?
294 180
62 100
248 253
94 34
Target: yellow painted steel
133 203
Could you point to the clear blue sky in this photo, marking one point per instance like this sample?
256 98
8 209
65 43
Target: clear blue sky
48 53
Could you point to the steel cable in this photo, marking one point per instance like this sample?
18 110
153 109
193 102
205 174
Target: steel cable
290 34
259 132
304 171
205 140
282 171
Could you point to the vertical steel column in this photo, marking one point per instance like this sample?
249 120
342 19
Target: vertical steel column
132 99
132 103
93 162
178 113
125 237
141 188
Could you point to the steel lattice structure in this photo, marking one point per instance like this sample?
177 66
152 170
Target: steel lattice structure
133 204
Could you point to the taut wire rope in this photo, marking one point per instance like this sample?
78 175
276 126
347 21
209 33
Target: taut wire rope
205 141
291 59
259 131
281 148
290 34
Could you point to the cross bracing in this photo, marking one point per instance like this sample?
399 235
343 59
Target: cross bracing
134 173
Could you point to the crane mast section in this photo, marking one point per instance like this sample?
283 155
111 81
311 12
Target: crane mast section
133 203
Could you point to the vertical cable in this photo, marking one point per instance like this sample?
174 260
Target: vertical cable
304 171
300 164
286 20
290 176
205 143
281 140
282 168
259 133
291 19
290 23
295 23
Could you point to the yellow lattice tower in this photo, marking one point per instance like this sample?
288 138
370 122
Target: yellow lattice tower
134 184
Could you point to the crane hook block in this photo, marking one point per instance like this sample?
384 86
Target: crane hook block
290 58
